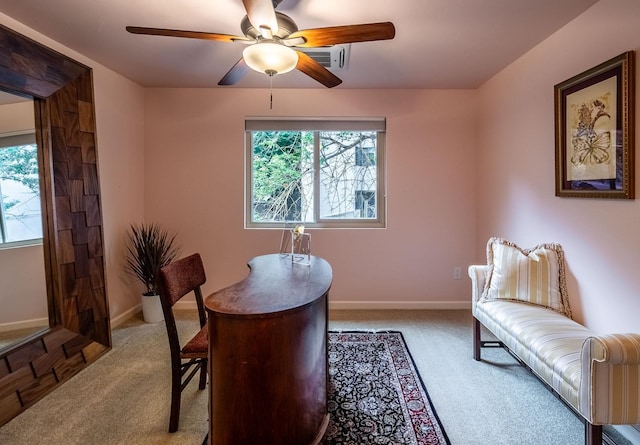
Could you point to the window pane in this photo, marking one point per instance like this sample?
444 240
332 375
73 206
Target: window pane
366 203
282 181
19 194
348 175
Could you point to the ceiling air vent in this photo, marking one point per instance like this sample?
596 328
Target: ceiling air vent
333 58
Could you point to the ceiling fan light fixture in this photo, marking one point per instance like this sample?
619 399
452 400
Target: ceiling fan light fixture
270 57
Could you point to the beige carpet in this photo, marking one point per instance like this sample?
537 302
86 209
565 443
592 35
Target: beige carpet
124 397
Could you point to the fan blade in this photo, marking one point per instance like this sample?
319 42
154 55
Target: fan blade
344 34
316 71
187 34
236 73
262 16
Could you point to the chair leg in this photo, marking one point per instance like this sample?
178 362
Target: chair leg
477 343
593 434
203 374
176 390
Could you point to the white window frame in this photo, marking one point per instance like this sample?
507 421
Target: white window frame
316 125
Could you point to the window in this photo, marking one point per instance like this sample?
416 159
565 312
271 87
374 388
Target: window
323 173
20 216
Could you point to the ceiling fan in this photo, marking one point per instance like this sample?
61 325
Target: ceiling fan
271 38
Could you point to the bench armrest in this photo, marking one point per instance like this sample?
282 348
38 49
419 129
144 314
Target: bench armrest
615 349
478 275
610 386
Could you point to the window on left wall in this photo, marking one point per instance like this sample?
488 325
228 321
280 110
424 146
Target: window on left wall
20 209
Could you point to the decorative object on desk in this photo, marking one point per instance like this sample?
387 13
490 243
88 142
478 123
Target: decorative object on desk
285 241
149 248
297 243
300 245
376 394
594 123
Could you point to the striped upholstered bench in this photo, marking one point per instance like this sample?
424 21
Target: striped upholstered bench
520 297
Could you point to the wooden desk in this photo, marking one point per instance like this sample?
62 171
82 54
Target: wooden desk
268 354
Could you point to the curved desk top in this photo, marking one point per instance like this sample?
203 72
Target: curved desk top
274 285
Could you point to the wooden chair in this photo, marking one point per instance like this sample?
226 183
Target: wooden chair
177 280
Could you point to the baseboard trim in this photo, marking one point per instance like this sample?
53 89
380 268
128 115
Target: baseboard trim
24 324
44 322
389 305
186 305
368 305
126 315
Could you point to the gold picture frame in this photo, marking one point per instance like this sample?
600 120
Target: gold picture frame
594 131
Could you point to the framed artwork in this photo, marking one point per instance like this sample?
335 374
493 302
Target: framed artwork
594 131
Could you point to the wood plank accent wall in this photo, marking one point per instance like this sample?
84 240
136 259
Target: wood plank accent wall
73 241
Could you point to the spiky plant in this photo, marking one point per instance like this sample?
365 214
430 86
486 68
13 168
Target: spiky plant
149 248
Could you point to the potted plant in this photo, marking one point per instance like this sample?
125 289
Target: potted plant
149 248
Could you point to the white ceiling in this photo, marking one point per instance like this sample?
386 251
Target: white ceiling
438 43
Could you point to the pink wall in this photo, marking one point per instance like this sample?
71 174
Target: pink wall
516 193
175 156
194 184
462 166
120 125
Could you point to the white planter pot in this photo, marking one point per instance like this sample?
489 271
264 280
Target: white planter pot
152 308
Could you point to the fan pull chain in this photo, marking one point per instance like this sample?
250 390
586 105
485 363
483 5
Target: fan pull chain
271 73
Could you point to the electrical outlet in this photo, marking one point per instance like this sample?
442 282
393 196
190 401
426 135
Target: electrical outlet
457 273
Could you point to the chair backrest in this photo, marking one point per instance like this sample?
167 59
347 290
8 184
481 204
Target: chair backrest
177 280
181 277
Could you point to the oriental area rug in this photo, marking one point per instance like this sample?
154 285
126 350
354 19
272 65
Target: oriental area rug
375 394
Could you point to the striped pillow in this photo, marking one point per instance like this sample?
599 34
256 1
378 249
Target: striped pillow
533 275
